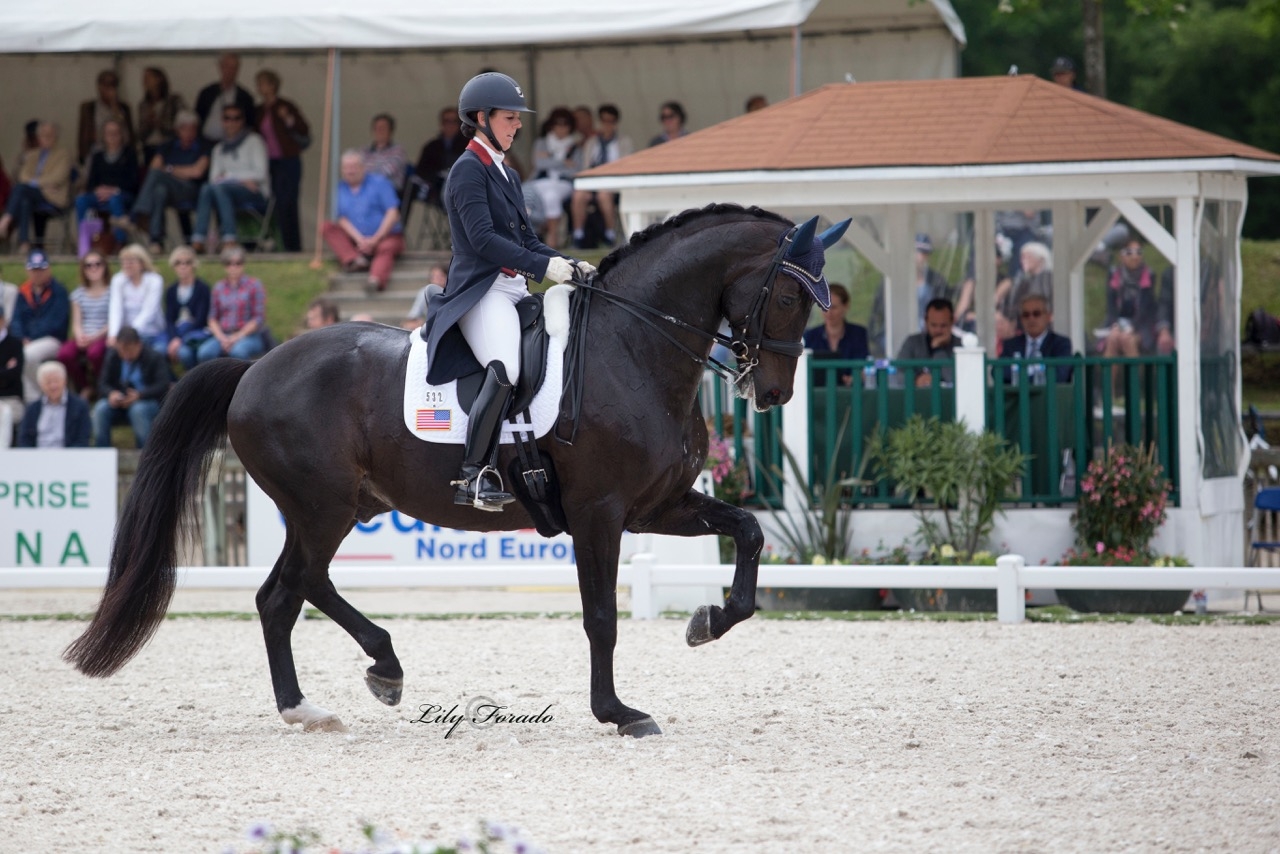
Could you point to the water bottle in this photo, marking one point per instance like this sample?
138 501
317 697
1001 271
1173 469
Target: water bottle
869 374
1202 602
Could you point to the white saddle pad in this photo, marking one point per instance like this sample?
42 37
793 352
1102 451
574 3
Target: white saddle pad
432 412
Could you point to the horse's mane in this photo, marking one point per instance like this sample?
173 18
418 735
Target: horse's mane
653 232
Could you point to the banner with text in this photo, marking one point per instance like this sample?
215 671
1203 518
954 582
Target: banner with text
57 507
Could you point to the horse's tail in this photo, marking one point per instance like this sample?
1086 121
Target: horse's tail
189 428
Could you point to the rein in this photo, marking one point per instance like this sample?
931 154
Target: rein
747 341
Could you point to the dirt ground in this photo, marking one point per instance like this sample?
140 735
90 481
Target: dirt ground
781 736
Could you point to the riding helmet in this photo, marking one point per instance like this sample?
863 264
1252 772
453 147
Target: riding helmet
488 92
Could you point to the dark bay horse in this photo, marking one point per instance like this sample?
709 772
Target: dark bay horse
318 424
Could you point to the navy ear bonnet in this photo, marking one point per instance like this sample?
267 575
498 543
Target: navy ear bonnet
804 261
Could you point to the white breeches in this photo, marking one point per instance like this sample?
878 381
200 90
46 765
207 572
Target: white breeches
553 192
492 327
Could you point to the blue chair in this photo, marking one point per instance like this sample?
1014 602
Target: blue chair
1265 532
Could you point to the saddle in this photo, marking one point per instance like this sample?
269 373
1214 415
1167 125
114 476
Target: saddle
534 341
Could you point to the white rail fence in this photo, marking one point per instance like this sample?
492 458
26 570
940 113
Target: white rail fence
1010 578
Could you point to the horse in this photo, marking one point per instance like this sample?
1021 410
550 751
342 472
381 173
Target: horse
317 423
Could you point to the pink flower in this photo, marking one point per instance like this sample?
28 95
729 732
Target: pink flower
1100 547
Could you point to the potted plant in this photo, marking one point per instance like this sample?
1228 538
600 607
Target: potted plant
1121 504
955 480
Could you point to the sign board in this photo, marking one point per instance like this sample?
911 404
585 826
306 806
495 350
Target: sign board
57 507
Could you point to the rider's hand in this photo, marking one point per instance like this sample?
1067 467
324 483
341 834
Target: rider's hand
559 270
584 268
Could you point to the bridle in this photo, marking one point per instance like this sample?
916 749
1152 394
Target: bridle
746 342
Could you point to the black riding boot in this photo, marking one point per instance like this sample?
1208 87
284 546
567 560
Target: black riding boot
478 482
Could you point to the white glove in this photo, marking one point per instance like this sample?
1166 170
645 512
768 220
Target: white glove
559 270
584 268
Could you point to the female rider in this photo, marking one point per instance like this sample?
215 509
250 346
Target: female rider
495 251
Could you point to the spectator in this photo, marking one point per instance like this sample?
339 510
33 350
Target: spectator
157 112
133 383
44 179
367 233
936 341
755 102
1034 276
39 320
216 97
86 346
605 147
930 284
321 312
112 182
583 123
1132 305
836 338
11 361
672 117
439 155
173 179
554 167
238 178
186 310
287 135
1063 72
1038 340
237 316
384 155
94 114
418 311
55 419
137 296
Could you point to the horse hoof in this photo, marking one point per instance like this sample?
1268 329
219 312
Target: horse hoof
332 723
699 631
639 729
386 690
313 718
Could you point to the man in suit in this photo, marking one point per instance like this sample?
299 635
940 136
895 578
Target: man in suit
937 341
58 419
217 96
1038 341
134 380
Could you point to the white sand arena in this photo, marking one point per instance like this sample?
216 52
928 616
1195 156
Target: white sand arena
782 736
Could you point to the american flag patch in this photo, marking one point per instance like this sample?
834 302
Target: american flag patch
434 419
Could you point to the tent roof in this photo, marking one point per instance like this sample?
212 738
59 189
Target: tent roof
980 121
89 25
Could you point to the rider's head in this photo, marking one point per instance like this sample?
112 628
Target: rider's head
484 95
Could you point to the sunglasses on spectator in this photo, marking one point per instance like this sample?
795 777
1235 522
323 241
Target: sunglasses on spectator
93 264
1035 312
1131 253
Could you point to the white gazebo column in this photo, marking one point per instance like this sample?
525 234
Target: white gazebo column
1072 259
1068 222
1186 324
984 275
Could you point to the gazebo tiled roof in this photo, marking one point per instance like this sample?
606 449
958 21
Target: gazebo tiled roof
978 121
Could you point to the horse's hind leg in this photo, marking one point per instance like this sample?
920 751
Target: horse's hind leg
698 515
384 677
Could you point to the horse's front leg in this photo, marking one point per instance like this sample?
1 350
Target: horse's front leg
699 515
597 552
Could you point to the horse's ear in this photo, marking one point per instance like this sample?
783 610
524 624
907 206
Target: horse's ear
832 235
802 241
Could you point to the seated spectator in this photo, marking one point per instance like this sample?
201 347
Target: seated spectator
86 346
95 113
385 156
39 320
418 311
583 123
133 383
367 234
157 112
173 179
186 310
287 135
1037 341
930 284
936 341
671 115
11 405
137 296
604 147
217 96
44 182
321 313
237 314
755 102
238 178
554 164
1132 305
56 418
439 154
836 337
112 182
1034 276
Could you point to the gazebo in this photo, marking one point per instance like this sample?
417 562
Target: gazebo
899 155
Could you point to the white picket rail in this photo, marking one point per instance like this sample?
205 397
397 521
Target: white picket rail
1010 578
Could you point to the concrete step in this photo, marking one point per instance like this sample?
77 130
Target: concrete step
385 304
408 281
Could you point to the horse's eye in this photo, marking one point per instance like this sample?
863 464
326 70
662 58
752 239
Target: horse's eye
786 301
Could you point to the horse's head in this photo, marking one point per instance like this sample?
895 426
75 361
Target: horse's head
768 316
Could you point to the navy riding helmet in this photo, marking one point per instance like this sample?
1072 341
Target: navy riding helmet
487 92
